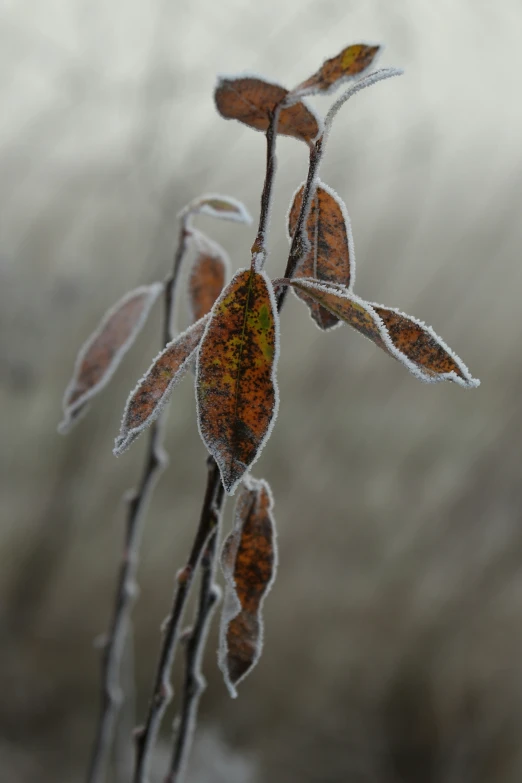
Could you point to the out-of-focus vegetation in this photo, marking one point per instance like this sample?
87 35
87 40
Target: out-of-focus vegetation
398 505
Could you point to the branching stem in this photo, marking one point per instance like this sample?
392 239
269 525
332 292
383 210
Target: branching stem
300 244
208 527
259 249
126 589
195 683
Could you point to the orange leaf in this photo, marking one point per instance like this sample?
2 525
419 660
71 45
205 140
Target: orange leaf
331 256
235 384
249 562
154 389
223 207
405 338
207 276
251 101
102 353
349 63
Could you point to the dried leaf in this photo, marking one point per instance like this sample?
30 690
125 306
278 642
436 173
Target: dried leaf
102 353
331 256
249 562
349 63
252 100
405 338
223 207
154 389
207 275
236 389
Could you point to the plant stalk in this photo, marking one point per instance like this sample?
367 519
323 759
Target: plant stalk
126 589
145 736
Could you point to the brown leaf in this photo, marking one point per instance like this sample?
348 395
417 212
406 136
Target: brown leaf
249 562
235 384
154 389
405 338
331 256
223 207
349 63
102 353
207 276
252 101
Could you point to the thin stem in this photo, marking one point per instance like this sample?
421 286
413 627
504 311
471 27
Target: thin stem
172 279
300 244
123 759
126 589
259 249
209 522
195 683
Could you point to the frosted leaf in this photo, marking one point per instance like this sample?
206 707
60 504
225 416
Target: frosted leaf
331 257
222 207
207 275
249 563
351 62
102 353
236 387
154 389
405 338
252 101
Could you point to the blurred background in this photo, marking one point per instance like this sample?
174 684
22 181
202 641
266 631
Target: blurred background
393 633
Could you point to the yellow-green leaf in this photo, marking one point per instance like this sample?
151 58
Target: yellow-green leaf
351 62
235 381
104 350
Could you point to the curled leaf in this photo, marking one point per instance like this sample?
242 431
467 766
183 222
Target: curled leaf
154 389
236 389
405 338
102 353
249 562
349 63
222 207
252 101
207 275
331 257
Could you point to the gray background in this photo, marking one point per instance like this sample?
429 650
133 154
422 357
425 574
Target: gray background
393 632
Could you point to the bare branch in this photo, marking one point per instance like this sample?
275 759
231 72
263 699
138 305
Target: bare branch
146 735
155 462
195 683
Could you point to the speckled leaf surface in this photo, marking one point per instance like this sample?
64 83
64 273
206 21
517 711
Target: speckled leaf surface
249 562
331 255
235 382
405 338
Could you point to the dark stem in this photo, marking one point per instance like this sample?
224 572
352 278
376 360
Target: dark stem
145 736
172 279
259 251
299 246
195 683
126 589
